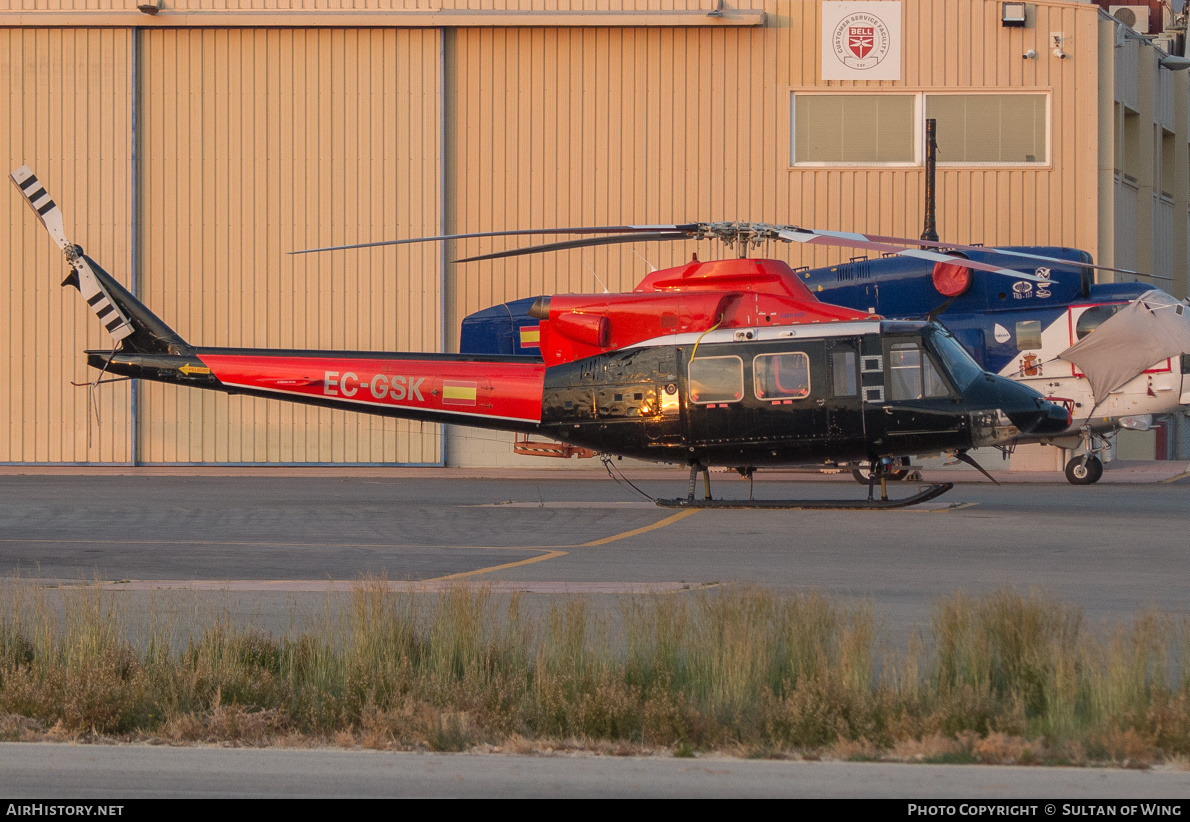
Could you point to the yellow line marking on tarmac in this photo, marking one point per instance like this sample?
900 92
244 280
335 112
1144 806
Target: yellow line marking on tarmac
530 561
667 521
1180 476
551 552
555 553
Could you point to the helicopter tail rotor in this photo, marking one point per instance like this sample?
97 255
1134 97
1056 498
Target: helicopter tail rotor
83 276
124 317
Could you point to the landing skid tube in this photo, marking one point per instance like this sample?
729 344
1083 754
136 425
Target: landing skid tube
811 504
869 504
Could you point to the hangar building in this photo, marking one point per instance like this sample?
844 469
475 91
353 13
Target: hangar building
192 143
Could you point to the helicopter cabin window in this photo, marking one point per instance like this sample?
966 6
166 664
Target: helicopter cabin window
843 373
716 380
990 129
854 129
1028 335
781 376
912 374
1094 317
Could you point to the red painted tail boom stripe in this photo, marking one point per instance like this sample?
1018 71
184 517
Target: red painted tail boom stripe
510 391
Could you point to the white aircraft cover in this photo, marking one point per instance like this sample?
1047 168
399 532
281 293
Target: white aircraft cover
1146 331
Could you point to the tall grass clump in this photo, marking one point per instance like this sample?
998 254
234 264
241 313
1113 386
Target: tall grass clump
998 677
74 670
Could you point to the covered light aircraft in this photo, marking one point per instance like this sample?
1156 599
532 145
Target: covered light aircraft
724 363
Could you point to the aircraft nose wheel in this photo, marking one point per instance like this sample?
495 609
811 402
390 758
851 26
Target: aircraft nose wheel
1085 470
863 474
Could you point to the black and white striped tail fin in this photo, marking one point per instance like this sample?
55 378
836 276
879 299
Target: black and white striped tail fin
113 318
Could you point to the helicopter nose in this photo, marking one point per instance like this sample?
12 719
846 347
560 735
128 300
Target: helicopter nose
1032 413
1019 411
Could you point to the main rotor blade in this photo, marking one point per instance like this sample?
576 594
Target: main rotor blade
611 229
849 240
997 250
562 246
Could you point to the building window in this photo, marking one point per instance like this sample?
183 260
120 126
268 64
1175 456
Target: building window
855 129
1131 146
1167 163
990 129
886 129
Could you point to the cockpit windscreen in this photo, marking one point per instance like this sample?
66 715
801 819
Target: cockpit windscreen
963 369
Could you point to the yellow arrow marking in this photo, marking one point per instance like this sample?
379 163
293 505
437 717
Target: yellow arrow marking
189 369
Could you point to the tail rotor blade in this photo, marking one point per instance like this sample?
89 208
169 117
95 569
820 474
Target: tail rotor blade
114 320
42 204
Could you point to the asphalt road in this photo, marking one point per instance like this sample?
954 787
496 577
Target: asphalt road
49 771
269 546
1111 548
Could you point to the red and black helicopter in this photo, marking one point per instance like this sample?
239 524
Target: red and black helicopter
721 363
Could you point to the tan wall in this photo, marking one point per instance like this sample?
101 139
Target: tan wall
65 111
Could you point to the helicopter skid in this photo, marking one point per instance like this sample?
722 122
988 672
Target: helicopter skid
925 495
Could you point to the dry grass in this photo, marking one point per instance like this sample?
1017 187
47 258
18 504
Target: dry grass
1002 678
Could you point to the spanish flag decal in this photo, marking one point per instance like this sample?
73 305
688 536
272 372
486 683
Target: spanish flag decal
530 336
458 392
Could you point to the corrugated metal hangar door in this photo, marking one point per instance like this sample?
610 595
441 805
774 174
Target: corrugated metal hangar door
250 143
66 100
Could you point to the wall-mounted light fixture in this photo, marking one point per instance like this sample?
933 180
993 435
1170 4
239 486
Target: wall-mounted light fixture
1056 38
1012 15
148 6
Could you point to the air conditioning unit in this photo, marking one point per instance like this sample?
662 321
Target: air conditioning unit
1136 17
1166 42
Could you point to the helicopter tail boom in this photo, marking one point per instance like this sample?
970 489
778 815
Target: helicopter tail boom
489 392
